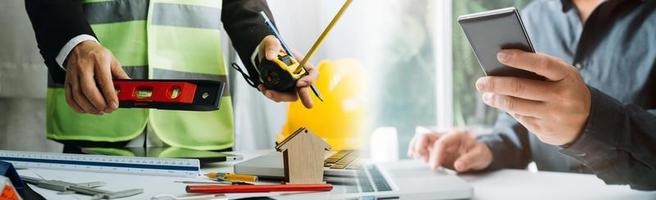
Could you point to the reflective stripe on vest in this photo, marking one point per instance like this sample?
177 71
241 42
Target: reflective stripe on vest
157 39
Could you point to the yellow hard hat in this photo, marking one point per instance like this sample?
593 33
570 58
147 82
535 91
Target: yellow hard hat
340 119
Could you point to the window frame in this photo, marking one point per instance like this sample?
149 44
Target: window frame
443 55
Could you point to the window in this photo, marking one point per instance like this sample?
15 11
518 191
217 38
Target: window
416 67
406 79
421 68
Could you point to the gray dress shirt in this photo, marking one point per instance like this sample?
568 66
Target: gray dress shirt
615 52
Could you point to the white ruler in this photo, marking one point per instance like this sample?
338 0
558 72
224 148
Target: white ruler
102 163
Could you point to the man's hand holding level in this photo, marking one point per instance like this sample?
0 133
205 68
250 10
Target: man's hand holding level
88 84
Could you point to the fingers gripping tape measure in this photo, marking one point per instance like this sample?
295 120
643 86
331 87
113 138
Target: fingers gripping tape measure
284 70
281 73
196 95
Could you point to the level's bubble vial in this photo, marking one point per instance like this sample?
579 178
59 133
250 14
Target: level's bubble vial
145 92
175 93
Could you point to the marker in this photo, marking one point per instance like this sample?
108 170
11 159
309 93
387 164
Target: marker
257 188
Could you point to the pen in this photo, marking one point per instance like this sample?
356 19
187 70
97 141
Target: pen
257 188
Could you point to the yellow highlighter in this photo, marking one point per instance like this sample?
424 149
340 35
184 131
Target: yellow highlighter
231 177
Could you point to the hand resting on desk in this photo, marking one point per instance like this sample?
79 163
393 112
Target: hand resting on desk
457 149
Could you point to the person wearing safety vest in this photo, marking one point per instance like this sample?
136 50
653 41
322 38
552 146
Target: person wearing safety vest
86 44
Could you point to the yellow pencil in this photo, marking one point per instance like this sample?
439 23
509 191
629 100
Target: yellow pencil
325 32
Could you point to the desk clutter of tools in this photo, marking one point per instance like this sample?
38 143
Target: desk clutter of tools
121 177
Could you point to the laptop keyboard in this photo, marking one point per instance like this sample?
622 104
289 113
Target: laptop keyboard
370 179
378 179
344 159
363 182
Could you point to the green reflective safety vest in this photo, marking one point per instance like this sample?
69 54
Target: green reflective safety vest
156 39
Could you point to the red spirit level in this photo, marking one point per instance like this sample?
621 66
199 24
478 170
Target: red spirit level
197 95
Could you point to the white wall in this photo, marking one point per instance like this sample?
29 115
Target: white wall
22 83
301 21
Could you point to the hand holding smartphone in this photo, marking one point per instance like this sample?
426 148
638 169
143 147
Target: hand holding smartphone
491 31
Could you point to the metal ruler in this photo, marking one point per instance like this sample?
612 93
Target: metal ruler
103 163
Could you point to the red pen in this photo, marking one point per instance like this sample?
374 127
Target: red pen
257 188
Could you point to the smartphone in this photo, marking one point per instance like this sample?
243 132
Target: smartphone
491 31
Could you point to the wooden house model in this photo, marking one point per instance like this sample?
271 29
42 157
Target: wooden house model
303 154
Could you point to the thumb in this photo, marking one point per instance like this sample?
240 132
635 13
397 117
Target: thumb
271 47
117 71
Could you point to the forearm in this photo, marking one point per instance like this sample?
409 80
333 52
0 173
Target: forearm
508 144
618 143
242 22
55 23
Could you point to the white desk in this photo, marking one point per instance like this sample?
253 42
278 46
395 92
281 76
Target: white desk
504 184
522 184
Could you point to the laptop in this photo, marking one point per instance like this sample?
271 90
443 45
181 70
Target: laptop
405 179
270 166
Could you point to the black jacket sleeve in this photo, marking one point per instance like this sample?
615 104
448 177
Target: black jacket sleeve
509 144
242 21
618 143
55 22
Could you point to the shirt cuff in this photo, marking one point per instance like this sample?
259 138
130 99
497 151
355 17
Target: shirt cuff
598 145
495 143
68 47
254 56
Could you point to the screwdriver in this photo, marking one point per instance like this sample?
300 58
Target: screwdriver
232 177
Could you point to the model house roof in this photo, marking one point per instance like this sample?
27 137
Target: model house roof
283 145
